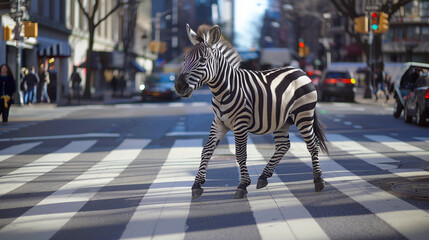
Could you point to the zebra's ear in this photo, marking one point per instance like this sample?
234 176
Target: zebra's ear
214 35
191 35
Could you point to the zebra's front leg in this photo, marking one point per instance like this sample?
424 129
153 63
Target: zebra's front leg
241 156
217 132
282 142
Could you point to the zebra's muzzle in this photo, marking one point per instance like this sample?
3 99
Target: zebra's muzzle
182 86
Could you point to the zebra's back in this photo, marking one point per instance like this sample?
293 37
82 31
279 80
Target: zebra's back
277 97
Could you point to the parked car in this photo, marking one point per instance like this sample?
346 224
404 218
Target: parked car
417 102
159 86
405 82
338 84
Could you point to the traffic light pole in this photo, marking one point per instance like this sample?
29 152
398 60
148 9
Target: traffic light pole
371 67
18 54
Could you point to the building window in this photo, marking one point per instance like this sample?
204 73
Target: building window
424 8
413 33
425 33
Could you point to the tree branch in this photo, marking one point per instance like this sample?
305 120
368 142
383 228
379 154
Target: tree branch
83 9
119 4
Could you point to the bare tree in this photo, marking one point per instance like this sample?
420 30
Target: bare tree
347 9
93 23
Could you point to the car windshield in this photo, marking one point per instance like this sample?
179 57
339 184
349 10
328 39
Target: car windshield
162 78
337 75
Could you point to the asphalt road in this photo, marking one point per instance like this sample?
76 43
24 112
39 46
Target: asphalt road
124 172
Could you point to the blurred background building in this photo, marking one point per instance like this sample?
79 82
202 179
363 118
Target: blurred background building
143 36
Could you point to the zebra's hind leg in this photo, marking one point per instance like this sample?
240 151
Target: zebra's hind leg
312 142
282 142
217 132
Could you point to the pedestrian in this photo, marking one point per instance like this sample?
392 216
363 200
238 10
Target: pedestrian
7 89
76 80
31 80
43 86
23 85
122 84
380 82
114 83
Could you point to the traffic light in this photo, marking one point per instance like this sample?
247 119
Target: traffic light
361 24
383 23
301 47
30 29
7 33
374 21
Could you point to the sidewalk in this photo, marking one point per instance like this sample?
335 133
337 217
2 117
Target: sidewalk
371 101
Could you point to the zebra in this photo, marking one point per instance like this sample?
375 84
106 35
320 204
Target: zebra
245 101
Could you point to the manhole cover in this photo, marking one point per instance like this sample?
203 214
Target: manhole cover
415 190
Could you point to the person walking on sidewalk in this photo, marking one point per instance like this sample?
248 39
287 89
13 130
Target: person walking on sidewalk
7 89
381 78
31 79
42 91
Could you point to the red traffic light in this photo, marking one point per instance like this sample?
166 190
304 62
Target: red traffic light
301 44
374 15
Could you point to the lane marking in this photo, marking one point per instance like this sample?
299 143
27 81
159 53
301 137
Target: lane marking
164 209
16 149
85 135
183 133
372 157
52 213
276 210
42 165
400 146
407 219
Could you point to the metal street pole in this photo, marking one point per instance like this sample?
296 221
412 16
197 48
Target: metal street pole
18 51
371 70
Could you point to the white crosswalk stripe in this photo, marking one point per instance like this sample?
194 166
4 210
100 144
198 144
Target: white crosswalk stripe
42 165
407 219
275 208
47 217
162 212
400 146
165 207
16 149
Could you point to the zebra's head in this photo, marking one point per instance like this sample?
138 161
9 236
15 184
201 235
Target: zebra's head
200 65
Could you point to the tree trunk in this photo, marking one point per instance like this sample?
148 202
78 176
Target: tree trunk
89 59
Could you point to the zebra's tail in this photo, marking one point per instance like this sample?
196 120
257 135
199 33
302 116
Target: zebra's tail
320 131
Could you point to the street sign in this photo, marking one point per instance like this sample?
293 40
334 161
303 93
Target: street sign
372 8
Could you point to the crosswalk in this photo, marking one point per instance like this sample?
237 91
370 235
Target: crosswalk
131 189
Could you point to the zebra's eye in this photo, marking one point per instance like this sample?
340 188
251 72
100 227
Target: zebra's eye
203 60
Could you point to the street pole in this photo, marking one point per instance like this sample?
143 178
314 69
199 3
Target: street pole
18 52
371 70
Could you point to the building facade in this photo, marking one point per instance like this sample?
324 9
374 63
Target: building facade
62 43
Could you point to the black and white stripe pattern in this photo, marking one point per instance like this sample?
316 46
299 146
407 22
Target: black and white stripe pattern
259 102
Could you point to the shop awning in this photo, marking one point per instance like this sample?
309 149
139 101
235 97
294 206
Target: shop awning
61 49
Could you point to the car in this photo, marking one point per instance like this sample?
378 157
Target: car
159 86
337 84
404 83
417 101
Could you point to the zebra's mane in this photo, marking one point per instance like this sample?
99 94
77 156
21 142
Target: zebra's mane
225 47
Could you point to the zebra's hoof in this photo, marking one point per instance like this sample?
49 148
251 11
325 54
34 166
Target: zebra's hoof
240 193
319 184
262 182
197 192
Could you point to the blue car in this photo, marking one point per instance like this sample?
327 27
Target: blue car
159 86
